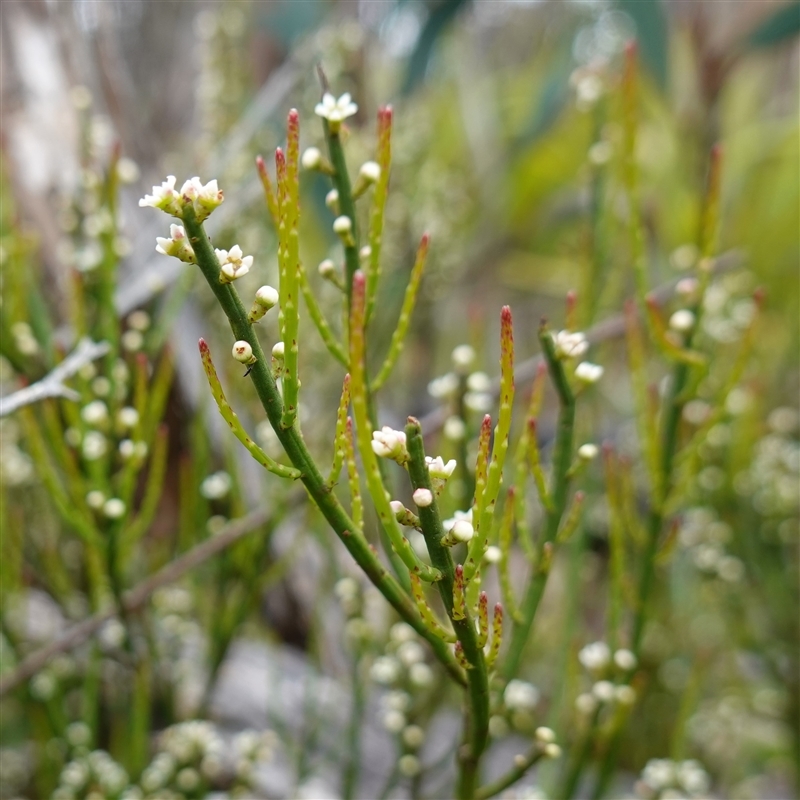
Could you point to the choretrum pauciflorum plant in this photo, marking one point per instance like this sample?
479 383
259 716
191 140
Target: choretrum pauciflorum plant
438 592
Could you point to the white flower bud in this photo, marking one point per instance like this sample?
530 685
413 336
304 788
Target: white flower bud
327 269
492 555
625 659
595 656
94 445
267 297
397 507
479 382
95 499
113 508
127 448
132 341
243 352
463 357
588 452
278 351
127 417
625 695
94 413
139 320
521 696
423 497
332 199
370 171
588 373
413 736
342 225
552 751
603 691
586 703
409 765
454 429
686 287
682 320
365 252
420 675
311 158
385 670
545 735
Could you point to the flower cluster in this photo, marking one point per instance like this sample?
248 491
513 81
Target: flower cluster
389 443
680 780
202 198
598 661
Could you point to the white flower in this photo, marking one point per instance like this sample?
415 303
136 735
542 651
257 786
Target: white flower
267 296
588 451
588 372
659 773
177 245
336 111
521 696
326 268
389 443
94 445
625 659
438 469
127 417
570 344
94 413
243 352
463 357
233 264
595 656
311 158
342 225
113 508
454 429
423 497
492 555
164 197
682 320
545 735
603 691
132 340
204 199
370 171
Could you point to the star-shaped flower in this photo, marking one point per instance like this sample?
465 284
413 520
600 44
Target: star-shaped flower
336 111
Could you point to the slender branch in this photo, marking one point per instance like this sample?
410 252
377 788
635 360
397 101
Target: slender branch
521 765
52 385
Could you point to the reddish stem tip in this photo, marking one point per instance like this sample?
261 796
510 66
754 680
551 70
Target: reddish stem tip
202 345
294 117
631 49
459 571
498 609
280 157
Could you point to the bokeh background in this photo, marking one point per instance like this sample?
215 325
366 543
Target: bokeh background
506 142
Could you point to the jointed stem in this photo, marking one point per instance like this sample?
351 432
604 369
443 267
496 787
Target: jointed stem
298 453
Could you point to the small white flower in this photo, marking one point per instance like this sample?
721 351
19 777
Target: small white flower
204 199
603 691
127 417
176 245
326 268
479 382
521 696
389 443
311 158
682 320
625 659
164 197
595 656
492 555
454 429
587 372
242 351
267 297
423 497
370 171
94 413
335 111
94 445
438 469
114 508
342 225
588 451
233 264
95 499
659 773
463 357
569 344
332 199
545 735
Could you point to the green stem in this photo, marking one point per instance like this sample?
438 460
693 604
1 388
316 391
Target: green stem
296 449
562 460
477 698
512 776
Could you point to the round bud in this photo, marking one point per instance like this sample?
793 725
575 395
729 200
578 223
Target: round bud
342 225
332 198
423 497
370 171
588 451
267 297
311 158
278 350
242 351
327 268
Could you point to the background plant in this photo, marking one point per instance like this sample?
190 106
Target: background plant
730 664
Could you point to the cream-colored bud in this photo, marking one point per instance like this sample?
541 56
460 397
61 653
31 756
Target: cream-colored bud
326 268
332 199
243 352
267 297
423 497
311 158
588 451
342 225
278 350
370 171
